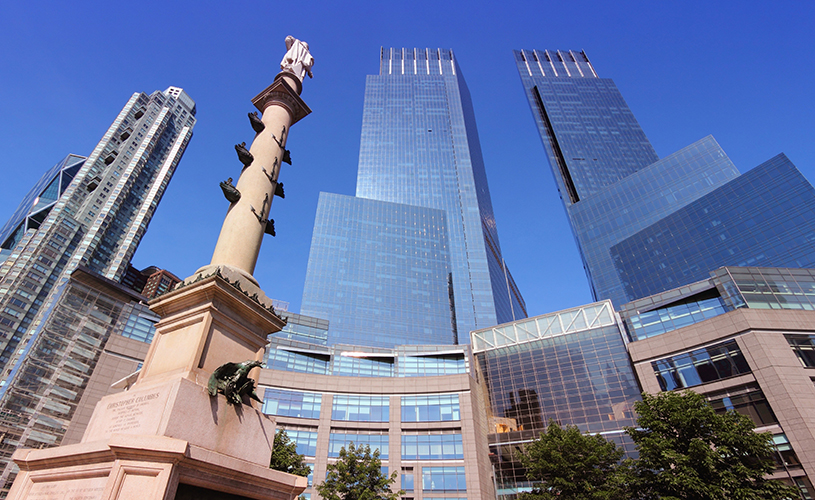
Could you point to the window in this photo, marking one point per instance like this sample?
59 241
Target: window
376 440
700 366
407 478
747 400
305 440
443 479
360 408
804 348
784 457
140 327
292 403
674 316
439 408
311 475
363 367
432 447
421 366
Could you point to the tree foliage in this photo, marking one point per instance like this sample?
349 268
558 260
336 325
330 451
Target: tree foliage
567 464
357 475
688 451
285 457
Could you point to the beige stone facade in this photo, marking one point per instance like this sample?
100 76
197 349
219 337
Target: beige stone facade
472 425
788 386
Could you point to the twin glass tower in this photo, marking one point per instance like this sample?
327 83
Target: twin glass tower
414 257
644 225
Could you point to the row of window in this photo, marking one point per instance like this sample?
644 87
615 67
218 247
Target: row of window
437 408
700 366
414 446
719 361
438 479
397 366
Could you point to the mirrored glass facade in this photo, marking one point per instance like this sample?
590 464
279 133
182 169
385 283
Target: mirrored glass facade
430 408
379 272
700 366
376 440
358 361
38 202
419 148
620 210
432 446
361 408
292 403
645 225
591 137
571 367
727 289
765 217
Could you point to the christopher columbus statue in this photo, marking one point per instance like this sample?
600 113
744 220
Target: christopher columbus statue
298 59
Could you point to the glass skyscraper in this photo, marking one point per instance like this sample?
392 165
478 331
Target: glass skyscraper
420 147
37 204
389 265
645 225
90 213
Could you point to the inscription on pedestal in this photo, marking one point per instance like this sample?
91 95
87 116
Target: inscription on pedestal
127 415
73 489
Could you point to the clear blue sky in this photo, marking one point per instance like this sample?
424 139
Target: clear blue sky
741 71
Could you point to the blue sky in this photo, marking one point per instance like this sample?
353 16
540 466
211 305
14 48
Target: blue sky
741 71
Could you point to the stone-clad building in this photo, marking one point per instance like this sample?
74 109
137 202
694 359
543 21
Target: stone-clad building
745 338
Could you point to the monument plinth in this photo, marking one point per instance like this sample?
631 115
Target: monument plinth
168 437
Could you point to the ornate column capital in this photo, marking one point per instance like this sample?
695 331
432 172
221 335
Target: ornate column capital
281 94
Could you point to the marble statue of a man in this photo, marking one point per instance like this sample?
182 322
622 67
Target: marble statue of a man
298 59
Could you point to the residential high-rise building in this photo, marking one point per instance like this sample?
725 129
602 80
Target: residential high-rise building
160 282
95 215
645 225
419 148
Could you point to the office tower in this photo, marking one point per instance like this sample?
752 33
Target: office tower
568 366
765 216
420 147
645 225
37 204
743 338
97 220
97 328
379 272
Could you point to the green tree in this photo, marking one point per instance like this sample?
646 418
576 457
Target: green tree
688 451
567 464
285 457
357 475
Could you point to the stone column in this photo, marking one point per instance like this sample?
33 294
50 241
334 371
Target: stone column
243 229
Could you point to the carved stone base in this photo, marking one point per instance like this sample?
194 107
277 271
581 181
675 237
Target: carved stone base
206 321
130 467
184 410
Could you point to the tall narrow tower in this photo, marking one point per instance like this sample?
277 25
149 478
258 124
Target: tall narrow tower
643 224
419 148
92 213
